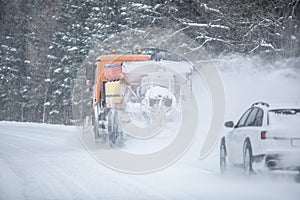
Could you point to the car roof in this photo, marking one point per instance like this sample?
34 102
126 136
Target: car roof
266 106
278 107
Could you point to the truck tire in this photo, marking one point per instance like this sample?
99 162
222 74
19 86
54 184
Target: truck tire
115 134
96 127
117 131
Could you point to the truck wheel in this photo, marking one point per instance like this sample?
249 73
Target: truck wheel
114 132
248 158
96 132
117 131
96 127
110 127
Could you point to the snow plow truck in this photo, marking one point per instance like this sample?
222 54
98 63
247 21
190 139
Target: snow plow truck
133 93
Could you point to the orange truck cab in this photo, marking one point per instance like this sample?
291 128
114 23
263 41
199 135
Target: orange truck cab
108 68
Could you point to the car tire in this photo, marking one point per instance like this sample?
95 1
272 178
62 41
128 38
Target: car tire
223 158
297 177
248 159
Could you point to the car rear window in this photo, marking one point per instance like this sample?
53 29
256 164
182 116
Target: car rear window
284 117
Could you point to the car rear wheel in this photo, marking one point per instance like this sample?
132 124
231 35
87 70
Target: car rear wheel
223 158
297 177
248 158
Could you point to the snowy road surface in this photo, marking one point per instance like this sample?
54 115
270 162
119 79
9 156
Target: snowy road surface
39 161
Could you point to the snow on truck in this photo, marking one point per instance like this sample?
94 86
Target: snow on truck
133 93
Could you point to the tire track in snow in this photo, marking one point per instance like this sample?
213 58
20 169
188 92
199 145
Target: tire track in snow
58 173
33 137
53 169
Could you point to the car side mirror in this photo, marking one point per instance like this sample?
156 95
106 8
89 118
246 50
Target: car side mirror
229 124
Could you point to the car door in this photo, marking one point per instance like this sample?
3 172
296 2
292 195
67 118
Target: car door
234 136
256 130
249 130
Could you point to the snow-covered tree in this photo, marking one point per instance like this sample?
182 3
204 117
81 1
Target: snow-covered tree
43 44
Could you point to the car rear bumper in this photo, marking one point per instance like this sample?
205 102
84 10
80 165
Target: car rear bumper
283 159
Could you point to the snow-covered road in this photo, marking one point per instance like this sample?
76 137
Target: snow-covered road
40 161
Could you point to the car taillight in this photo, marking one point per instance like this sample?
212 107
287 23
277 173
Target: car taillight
263 135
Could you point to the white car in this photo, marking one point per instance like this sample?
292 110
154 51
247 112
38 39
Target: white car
264 133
